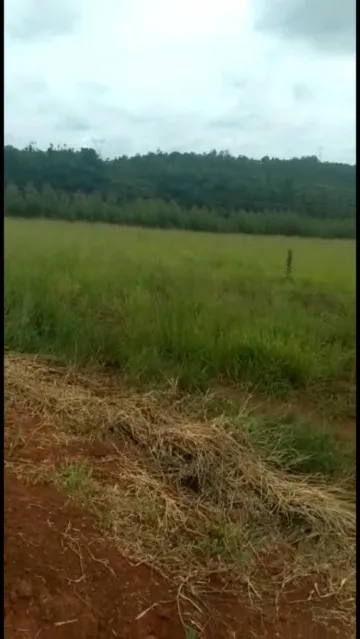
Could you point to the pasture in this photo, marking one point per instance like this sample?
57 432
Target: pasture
199 308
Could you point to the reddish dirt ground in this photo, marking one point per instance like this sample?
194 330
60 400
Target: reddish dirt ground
60 581
63 580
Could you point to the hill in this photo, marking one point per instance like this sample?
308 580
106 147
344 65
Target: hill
213 191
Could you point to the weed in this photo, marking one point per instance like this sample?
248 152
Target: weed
298 447
289 264
76 478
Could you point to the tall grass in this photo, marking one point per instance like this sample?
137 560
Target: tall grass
199 307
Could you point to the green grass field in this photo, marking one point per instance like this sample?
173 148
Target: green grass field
205 309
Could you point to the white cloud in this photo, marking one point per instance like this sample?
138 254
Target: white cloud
185 74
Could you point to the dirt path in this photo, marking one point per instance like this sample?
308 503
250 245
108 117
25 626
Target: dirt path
63 579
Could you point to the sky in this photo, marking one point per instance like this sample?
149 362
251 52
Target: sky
255 77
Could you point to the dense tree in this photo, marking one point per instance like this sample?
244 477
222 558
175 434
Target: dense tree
211 191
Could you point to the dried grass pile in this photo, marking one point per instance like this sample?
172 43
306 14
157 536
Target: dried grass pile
190 493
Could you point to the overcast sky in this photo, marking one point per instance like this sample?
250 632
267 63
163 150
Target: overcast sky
257 77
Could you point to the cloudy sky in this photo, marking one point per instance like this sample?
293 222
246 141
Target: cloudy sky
257 77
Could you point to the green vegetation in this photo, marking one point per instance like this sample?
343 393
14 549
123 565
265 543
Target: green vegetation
197 307
295 446
209 192
75 477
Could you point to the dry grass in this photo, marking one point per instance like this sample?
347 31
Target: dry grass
187 492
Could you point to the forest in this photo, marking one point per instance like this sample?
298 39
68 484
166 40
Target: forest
202 192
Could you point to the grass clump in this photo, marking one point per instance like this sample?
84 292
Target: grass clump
296 446
76 478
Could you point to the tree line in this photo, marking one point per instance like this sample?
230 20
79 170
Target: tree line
211 191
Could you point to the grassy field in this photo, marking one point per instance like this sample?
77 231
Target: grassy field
200 308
